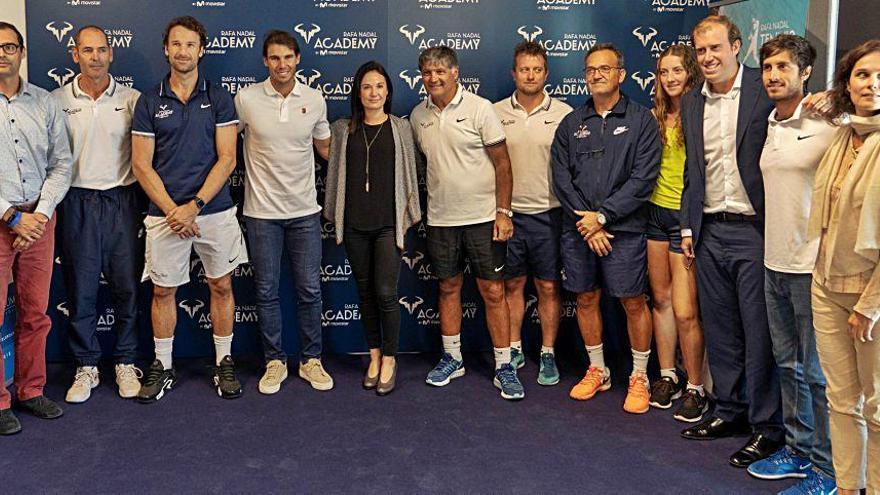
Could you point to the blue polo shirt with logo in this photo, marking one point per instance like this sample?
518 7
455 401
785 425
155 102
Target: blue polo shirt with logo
185 149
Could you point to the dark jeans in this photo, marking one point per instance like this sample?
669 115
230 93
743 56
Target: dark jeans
375 263
804 405
730 279
99 233
300 238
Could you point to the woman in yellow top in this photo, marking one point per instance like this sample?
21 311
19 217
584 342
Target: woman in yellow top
846 278
673 284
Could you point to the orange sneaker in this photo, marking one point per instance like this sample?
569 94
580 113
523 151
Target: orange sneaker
637 395
596 380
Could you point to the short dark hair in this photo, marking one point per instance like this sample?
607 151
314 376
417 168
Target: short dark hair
279 37
798 47
187 22
598 47
532 48
438 54
357 106
840 98
733 33
11 27
91 26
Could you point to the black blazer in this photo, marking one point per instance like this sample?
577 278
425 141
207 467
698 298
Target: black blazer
751 132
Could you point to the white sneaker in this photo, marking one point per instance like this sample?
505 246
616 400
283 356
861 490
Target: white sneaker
84 381
313 372
276 372
128 379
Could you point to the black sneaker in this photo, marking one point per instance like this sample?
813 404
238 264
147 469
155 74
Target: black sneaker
157 382
664 391
692 407
225 381
9 424
41 407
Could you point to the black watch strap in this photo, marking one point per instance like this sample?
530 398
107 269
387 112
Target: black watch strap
200 203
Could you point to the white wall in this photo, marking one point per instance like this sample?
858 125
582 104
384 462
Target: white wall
13 13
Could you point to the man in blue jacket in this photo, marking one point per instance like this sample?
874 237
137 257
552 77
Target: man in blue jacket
722 215
605 160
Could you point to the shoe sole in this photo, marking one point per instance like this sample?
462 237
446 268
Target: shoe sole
548 384
779 476
271 390
640 411
521 365
691 420
317 386
10 433
87 397
505 396
150 400
603 388
234 395
709 439
455 374
668 404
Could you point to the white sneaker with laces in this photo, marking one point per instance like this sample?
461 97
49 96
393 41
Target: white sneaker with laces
84 381
276 372
313 372
128 379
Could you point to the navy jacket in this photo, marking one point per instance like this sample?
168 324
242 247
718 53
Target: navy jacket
607 164
751 132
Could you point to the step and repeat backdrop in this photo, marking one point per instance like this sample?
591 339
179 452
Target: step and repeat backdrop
336 36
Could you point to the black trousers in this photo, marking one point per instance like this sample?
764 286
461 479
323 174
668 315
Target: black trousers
375 263
730 279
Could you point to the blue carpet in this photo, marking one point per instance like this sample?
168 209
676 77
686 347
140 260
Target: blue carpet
462 438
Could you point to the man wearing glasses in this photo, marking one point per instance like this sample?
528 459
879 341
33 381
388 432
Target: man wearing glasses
34 176
604 160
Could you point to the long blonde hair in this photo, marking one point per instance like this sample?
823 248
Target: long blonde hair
662 100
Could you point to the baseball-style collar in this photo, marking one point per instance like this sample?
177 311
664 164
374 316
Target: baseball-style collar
618 108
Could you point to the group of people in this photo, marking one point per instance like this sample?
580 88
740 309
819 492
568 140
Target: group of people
737 186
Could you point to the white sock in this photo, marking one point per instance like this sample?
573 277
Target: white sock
222 347
164 348
670 372
640 361
547 350
452 345
516 345
698 388
502 356
597 356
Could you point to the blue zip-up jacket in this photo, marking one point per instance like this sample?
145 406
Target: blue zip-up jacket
607 164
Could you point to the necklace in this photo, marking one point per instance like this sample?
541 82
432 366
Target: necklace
368 145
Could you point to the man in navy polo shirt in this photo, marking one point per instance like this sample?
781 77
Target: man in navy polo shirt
183 150
604 164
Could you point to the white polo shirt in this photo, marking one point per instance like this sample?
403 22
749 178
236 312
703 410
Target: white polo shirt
461 176
278 155
529 137
791 155
99 132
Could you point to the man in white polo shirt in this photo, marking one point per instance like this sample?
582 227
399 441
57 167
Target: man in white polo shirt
530 118
101 215
281 120
796 141
469 190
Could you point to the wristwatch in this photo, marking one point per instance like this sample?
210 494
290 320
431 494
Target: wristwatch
601 219
504 211
199 202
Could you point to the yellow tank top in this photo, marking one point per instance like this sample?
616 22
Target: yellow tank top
670 181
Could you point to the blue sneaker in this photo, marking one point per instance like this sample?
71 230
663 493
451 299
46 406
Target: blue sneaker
509 384
548 374
784 463
816 483
517 360
447 369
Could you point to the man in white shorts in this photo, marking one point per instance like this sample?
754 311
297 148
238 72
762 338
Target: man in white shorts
183 150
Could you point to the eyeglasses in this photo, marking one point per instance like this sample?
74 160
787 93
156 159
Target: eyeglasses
604 70
10 48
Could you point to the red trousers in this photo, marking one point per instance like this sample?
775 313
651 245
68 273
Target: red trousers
32 272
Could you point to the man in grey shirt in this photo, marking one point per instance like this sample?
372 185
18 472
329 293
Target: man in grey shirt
34 177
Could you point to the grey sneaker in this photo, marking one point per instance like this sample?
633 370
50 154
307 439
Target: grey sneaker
313 372
276 372
549 373
84 381
508 383
517 359
128 380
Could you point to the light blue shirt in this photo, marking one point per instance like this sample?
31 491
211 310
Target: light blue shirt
35 162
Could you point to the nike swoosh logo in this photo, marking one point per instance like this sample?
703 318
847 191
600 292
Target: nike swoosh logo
205 106
549 121
461 120
119 109
498 269
233 259
805 466
805 137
